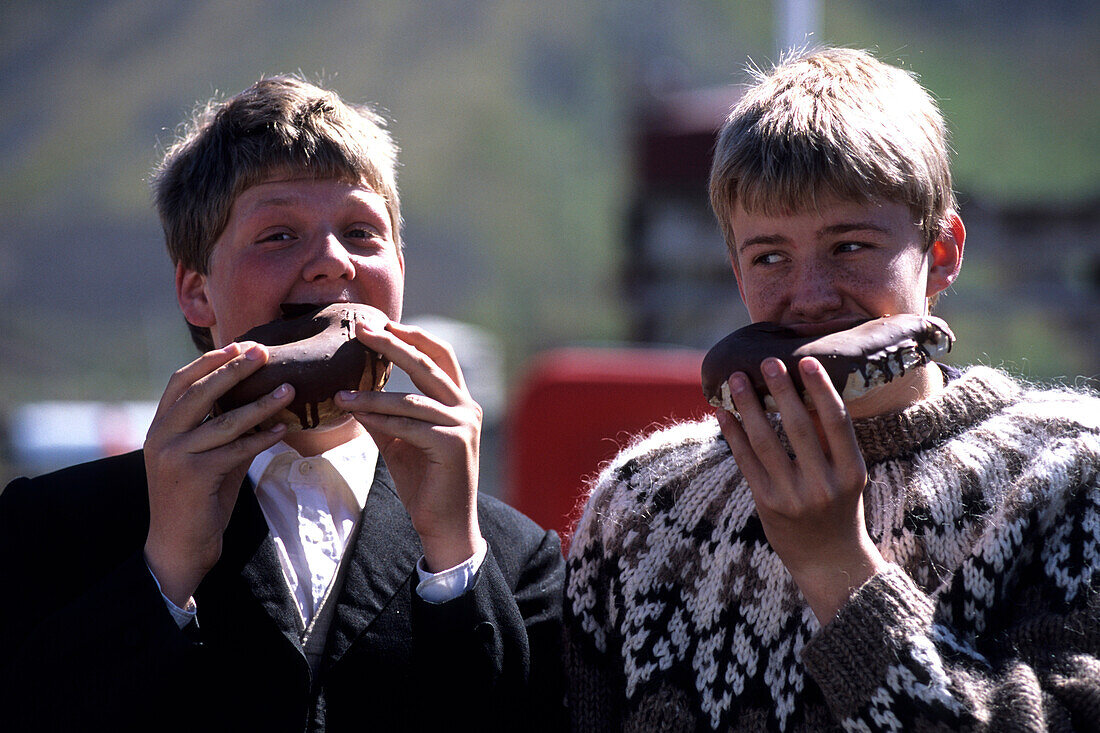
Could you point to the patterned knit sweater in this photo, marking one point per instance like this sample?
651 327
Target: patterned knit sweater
986 500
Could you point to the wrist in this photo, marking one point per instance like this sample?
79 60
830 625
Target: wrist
827 587
177 581
446 550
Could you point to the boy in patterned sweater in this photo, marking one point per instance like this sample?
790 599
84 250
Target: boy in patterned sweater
926 557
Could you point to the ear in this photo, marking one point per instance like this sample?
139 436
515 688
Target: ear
192 297
946 255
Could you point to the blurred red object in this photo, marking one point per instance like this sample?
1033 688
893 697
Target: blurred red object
575 408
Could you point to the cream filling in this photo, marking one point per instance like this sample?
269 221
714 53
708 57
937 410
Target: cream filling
894 361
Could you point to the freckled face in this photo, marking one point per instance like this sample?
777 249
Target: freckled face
826 267
295 241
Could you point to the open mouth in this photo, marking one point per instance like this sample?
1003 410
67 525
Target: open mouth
289 311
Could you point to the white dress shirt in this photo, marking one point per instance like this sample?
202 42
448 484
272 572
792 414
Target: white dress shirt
312 506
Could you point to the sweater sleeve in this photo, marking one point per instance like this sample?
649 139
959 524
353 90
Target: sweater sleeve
890 660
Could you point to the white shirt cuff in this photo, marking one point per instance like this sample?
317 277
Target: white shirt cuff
450 583
182 616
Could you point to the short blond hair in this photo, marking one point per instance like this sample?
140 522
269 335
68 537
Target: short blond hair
833 122
281 124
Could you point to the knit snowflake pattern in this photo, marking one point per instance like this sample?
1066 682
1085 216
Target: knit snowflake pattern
671 578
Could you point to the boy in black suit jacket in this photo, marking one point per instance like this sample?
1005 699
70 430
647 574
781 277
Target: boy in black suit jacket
227 577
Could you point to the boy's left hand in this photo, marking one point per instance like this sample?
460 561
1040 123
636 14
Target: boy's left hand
430 442
810 502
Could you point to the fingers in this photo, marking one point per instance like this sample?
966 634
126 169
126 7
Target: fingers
222 430
240 451
182 415
444 421
430 363
797 421
438 351
225 439
191 392
397 413
740 445
824 456
187 375
835 422
763 440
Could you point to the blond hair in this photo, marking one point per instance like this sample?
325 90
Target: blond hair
833 122
282 124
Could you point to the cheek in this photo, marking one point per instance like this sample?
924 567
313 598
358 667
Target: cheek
895 286
384 284
764 299
251 283
863 280
250 269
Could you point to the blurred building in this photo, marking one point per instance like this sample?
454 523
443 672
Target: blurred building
677 278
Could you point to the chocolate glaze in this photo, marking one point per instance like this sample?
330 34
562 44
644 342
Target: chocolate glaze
878 349
314 349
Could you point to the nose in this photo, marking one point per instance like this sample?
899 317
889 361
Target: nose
329 258
816 293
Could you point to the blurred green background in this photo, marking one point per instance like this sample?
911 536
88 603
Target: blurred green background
515 121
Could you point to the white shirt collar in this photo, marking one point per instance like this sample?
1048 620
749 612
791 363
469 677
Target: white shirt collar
355 461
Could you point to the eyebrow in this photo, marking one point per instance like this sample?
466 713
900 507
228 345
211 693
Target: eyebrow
761 239
855 226
831 230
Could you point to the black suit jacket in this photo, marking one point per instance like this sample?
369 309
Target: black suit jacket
88 643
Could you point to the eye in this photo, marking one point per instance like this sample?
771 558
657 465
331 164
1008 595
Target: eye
276 236
769 258
850 247
364 231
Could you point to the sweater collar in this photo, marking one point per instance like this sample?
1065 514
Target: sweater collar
973 396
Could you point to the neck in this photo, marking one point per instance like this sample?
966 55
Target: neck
912 387
318 440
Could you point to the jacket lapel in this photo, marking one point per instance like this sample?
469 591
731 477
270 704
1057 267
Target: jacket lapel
247 583
381 561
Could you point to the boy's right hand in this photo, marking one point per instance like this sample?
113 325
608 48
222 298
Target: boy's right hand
195 465
809 498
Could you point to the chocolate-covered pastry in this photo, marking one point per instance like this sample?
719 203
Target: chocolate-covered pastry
314 349
857 359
